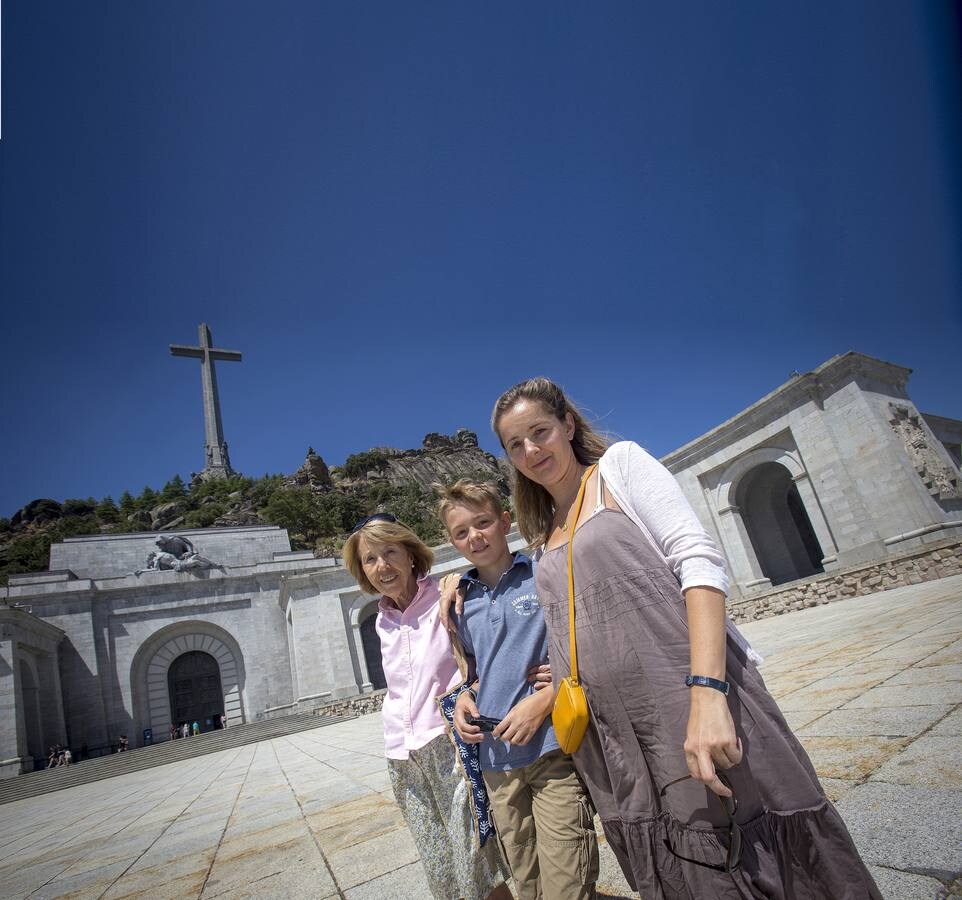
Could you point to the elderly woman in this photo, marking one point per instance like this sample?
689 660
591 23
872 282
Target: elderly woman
387 558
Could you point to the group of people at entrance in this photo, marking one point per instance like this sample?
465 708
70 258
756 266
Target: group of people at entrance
187 729
701 788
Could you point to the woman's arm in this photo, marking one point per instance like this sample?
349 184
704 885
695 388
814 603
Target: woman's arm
711 740
649 495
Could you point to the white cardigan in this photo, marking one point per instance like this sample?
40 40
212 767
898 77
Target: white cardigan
649 495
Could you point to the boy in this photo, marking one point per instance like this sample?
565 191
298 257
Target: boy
538 803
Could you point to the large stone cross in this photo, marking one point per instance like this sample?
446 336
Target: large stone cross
217 462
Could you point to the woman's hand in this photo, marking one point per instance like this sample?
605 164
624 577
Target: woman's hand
540 676
464 709
711 741
524 718
450 593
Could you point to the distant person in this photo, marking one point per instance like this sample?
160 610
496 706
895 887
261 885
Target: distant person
52 757
67 756
185 730
431 789
122 744
173 731
196 728
223 722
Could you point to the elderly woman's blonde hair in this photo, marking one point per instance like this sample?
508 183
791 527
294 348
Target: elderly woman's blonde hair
381 532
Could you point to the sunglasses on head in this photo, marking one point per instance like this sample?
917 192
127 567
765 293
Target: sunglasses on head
729 805
377 517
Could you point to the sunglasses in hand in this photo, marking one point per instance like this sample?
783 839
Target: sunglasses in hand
485 723
730 806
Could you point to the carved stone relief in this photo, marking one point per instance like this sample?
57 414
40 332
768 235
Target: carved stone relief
939 478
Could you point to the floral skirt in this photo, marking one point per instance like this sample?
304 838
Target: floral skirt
435 799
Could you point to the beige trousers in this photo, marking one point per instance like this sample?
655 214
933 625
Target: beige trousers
545 823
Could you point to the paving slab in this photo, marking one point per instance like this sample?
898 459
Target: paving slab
950 725
897 885
932 759
912 828
892 721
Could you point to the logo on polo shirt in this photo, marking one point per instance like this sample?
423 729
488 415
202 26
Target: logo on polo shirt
526 604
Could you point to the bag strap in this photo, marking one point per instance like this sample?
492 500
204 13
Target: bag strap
572 645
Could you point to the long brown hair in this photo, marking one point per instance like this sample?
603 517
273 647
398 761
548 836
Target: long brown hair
532 503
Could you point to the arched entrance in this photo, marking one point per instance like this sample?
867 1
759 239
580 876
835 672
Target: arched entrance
372 652
193 684
778 525
152 693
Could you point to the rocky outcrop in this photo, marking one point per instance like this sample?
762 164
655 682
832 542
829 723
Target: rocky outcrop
439 459
242 513
313 473
37 512
166 515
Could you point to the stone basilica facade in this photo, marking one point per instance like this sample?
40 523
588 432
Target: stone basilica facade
832 485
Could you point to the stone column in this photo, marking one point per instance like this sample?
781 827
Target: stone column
12 758
810 501
738 548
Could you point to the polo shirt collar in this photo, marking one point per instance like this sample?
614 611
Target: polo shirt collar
470 578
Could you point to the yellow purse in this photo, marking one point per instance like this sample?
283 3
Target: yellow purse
570 713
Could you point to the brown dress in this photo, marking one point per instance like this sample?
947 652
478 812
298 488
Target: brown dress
633 656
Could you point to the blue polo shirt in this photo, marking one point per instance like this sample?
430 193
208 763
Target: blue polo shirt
503 629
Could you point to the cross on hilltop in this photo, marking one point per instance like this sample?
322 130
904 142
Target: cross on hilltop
217 462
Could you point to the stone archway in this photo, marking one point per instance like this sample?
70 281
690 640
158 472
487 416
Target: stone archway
153 661
371 644
778 526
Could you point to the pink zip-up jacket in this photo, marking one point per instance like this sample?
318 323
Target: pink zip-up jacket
418 667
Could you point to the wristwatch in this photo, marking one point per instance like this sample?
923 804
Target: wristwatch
705 681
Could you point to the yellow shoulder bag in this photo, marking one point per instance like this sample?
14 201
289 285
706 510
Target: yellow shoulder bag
570 714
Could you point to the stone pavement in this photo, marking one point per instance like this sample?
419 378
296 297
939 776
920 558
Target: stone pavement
872 685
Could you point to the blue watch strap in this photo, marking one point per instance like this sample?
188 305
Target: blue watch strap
705 681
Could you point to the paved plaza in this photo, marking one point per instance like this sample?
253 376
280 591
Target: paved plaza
872 686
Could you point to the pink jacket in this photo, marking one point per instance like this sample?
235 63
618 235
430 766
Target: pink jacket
418 667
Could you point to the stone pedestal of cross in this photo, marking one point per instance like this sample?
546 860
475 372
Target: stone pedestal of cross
216 460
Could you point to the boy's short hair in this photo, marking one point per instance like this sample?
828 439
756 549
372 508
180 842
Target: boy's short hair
465 492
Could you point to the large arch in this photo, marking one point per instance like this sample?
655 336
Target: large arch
738 544
778 526
361 615
152 663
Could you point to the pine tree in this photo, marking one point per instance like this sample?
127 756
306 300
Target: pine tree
173 490
127 504
107 511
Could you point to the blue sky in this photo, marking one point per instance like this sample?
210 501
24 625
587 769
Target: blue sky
395 211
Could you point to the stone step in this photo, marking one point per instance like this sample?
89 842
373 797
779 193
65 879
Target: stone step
44 781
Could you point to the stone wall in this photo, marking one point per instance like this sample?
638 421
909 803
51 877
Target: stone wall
360 705
925 563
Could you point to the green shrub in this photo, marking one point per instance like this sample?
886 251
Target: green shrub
358 465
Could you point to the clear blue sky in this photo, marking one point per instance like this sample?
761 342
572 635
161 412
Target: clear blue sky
397 210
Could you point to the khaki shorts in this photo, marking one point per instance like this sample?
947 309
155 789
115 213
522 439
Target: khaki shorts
546 826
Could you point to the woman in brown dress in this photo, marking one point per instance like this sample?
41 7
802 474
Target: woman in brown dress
702 789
